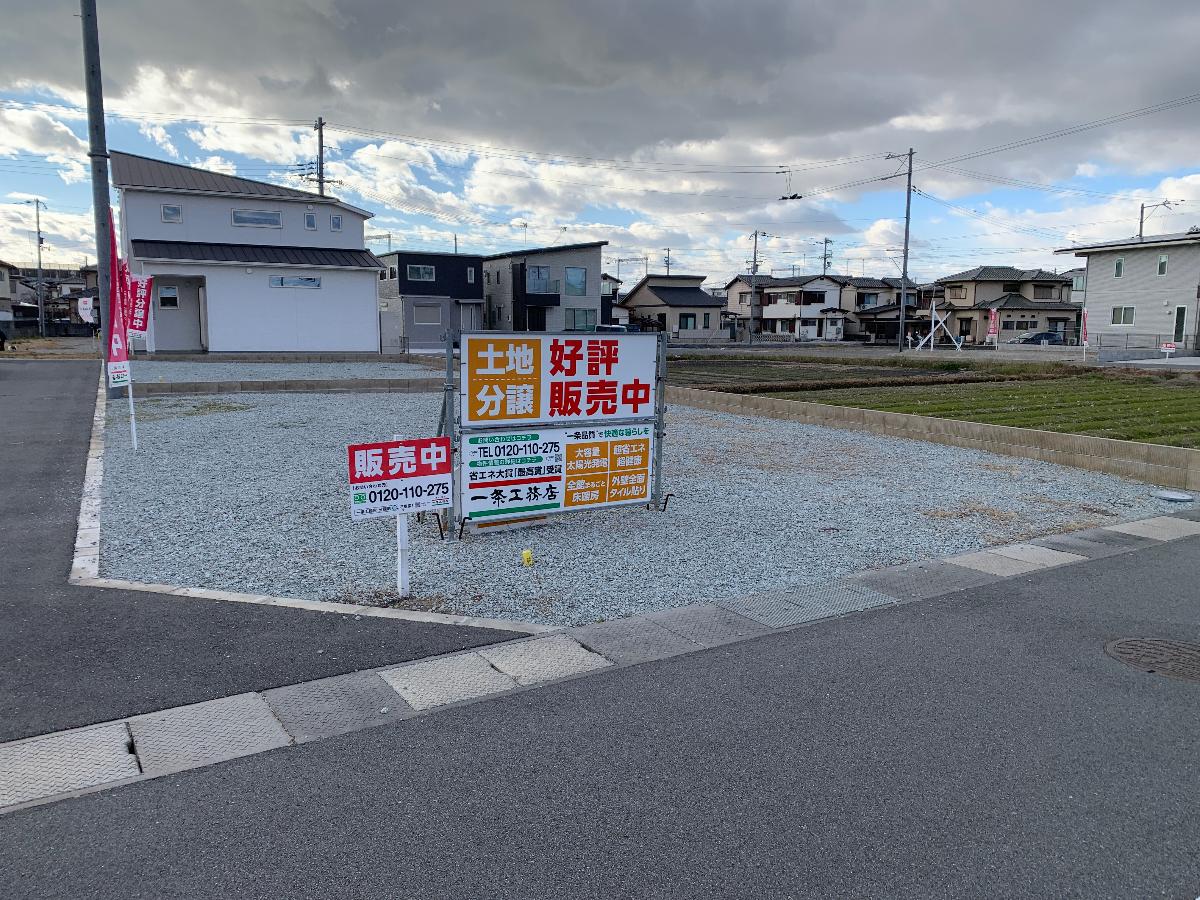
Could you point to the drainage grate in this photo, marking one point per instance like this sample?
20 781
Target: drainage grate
1179 659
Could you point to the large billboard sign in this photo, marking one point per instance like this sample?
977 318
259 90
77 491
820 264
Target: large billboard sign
520 378
535 471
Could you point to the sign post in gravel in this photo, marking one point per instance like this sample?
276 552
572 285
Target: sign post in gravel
553 423
396 478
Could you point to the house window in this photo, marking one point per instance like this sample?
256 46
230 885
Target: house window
1043 292
310 221
392 273
1119 267
808 323
470 274
427 315
487 277
744 298
421 273
168 297
335 222
575 279
580 319
707 321
956 292
172 213
812 296
1010 325
867 299
1012 287
1122 315
258 218
295 281
1162 264
687 321
383 274
1078 282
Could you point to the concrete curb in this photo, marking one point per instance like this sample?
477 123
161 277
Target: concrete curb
85 567
316 386
1158 464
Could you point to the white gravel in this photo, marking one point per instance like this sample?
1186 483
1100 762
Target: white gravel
247 494
169 371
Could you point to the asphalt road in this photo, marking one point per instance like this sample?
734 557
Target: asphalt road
71 655
981 745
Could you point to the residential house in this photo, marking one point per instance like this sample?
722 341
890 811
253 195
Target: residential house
1078 285
808 307
1144 291
739 304
422 295
609 297
1027 300
8 290
543 289
675 304
242 265
875 304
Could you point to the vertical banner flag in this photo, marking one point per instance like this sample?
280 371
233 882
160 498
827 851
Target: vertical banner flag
85 308
141 289
1083 335
118 352
125 292
993 325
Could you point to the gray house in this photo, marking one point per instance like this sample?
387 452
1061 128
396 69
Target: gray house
423 294
1141 292
544 289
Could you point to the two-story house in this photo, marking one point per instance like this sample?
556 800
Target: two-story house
8 290
675 304
423 294
807 307
242 265
1026 300
1143 291
543 289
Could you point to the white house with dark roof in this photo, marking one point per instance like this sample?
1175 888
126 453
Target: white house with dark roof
675 304
242 265
1142 292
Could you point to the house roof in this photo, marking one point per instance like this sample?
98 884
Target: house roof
141 172
257 254
1017 301
1003 273
604 276
1153 240
532 250
770 281
685 296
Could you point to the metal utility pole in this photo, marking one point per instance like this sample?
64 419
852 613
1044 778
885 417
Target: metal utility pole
98 154
907 224
320 129
668 249
38 206
826 257
1166 204
753 275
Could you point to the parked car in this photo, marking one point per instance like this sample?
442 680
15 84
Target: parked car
1048 337
612 329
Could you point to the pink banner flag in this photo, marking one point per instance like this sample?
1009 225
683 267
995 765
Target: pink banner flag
124 291
141 289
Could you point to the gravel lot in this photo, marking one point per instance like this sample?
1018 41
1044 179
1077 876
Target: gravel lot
160 370
247 494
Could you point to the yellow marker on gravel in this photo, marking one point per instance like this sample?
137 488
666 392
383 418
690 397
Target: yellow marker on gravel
527 558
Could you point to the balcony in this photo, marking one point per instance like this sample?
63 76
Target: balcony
542 286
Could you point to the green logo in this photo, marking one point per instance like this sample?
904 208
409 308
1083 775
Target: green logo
360 498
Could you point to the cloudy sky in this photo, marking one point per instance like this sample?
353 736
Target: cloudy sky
648 124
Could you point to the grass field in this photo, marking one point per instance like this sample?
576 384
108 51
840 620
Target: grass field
1132 408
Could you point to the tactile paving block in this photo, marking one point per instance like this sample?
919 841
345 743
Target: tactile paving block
708 625
204 733
330 706
543 659
67 761
841 598
774 610
920 581
436 682
632 640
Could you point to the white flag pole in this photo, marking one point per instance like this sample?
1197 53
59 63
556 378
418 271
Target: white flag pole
132 418
402 555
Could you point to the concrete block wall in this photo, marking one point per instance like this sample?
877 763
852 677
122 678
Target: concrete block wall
1177 467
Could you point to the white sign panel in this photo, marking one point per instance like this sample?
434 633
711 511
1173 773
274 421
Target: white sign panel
510 379
536 471
391 478
118 373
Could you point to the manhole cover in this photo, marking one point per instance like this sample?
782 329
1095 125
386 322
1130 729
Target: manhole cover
1179 659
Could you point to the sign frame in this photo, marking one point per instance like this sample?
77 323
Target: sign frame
460 430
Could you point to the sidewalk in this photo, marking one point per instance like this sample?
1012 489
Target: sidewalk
70 656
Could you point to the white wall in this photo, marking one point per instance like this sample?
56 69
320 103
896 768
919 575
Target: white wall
1153 296
246 314
209 220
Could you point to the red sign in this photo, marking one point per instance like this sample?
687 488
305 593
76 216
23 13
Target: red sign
386 460
993 323
1168 347
141 289
1083 335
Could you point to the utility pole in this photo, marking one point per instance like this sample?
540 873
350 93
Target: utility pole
455 243
753 276
1166 204
668 249
38 205
826 257
320 129
907 224
98 154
